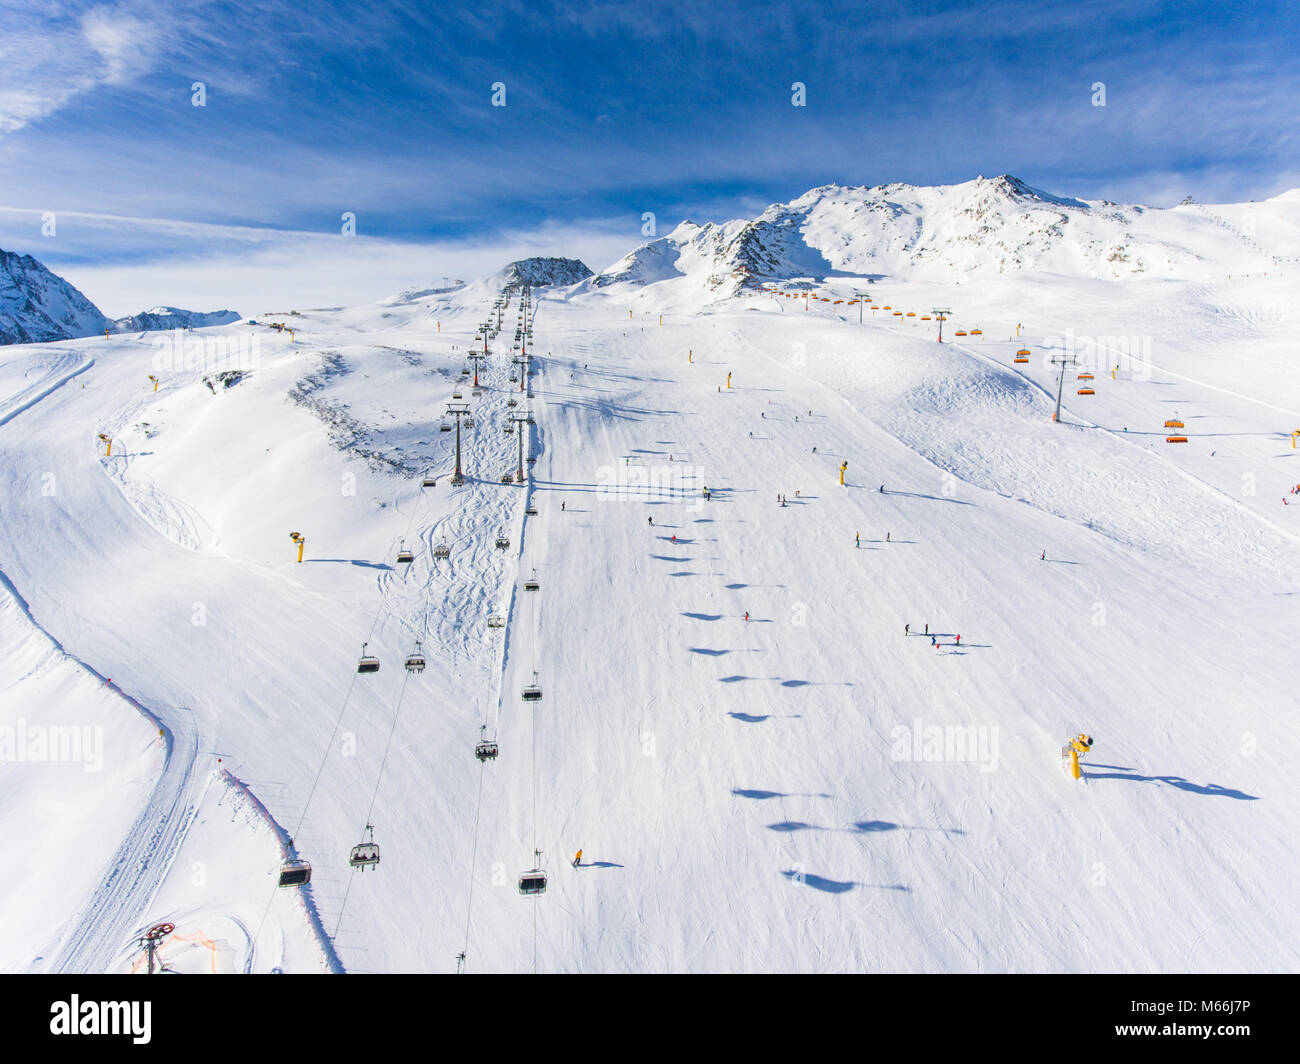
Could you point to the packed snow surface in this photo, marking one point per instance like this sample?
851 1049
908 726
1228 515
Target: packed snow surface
763 771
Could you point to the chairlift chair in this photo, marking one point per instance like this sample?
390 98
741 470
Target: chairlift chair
365 854
496 621
531 511
404 556
512 402
442 550
503 543
507 478
531 584
368 662
429 482
415 662
486 749
444 427
534 880
295 873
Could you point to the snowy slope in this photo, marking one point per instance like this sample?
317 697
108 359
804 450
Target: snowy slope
747 792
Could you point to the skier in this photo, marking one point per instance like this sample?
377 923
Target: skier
674 537
907 629
1043 557
932 642
857 540
651 520
561 507
882 489
747 615
959 638
577 859
927 627
886 537
814 450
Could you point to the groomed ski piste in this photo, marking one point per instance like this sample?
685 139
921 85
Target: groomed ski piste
763 771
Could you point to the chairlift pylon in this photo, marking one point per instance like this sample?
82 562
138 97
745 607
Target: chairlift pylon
367 662
365 854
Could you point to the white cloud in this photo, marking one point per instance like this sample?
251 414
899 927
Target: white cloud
124 265
48 57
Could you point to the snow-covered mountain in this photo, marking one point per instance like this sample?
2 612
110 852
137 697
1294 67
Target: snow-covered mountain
540 271
905 232
173 318
37 305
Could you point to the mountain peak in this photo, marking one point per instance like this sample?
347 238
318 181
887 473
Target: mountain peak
544 270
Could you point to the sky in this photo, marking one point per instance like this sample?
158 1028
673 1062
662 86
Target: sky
611 110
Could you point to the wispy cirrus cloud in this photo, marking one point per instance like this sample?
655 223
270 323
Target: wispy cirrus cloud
52 54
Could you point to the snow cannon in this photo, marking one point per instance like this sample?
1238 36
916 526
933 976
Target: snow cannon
1070 752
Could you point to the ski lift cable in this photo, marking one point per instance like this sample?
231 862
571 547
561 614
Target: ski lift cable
397 712
473 858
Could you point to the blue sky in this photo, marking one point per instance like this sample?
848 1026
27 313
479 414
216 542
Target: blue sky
612 109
